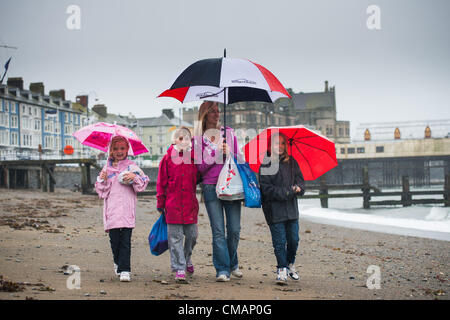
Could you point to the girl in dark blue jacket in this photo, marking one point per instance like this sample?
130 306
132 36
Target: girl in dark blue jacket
279 190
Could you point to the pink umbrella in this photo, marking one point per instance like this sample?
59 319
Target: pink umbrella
99 135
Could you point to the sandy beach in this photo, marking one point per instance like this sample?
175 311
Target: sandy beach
43 233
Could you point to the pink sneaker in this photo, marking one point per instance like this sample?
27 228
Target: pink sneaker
190 269
180 276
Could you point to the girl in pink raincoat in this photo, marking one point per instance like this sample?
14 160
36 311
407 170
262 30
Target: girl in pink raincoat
118 184
176 198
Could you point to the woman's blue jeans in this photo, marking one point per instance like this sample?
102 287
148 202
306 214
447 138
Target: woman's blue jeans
285 240
224 244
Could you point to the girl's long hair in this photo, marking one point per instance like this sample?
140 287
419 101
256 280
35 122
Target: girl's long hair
285 156
114 140
200 126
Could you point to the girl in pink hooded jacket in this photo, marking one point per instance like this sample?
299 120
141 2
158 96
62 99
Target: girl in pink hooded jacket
176 198
118 184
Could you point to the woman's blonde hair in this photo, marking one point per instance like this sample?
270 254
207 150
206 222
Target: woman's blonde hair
285 154
200 126
181 131
114 140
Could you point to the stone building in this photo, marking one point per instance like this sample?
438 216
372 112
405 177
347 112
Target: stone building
317 110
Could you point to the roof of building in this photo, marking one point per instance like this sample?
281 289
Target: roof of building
26 96
162 120
314 100
384 131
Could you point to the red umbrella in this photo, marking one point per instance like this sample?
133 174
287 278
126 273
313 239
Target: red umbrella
314 153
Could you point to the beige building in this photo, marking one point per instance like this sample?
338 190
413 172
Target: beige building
156 134
398 139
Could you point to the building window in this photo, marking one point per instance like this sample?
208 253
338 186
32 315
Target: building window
360 150
329 130
68 129
48 126
150 138
27 140
14 138
14 122
341 132
350 150
342 150
379 149
37 124
4 119
4 137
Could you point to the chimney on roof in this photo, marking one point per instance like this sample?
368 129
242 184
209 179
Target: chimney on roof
58 94
15 82
37 87
83 100
169 113
326 86
100 109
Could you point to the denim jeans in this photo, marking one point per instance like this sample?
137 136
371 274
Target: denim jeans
120 240
285 240
225 245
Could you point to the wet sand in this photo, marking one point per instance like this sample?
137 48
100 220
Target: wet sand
40 233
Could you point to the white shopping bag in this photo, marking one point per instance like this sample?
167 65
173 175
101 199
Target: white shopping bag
229 185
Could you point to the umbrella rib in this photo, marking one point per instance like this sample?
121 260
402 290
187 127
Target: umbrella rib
309 165
293 137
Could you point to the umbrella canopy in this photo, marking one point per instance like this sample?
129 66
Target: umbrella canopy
99 135
314 153
226 80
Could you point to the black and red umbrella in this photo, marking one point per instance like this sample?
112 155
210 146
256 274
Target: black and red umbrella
226 80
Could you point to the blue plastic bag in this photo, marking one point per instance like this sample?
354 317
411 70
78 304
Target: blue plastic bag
251 186
158 237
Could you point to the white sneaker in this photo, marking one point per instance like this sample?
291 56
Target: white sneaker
223 278
293 273
237 273
125 276
282 276
115 269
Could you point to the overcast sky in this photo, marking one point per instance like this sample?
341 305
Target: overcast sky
127 52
